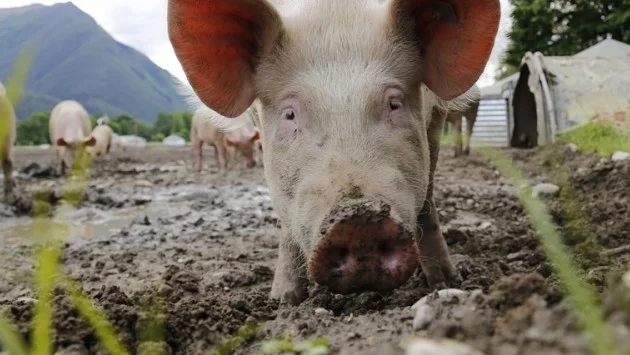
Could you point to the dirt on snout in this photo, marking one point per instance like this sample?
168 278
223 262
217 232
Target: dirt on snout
155 243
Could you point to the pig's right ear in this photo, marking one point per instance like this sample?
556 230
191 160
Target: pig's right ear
219 44
61 142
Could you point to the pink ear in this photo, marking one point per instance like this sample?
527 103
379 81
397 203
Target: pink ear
219 44
91 141
61 142
456 39
229 143
256 136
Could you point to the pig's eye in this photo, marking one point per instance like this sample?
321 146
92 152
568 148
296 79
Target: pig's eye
395 103
288 114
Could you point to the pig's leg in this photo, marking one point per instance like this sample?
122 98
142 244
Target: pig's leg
471 117
457 130
60 160
290 280
197 146
469 128
7 169
434 255
221 158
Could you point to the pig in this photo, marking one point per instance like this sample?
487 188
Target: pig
7 118
256 122
455 118
352 95
70 131
103 135
226 140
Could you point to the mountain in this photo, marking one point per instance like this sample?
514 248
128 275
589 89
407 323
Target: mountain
76 59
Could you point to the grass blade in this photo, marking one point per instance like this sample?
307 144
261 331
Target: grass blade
95 316
11 341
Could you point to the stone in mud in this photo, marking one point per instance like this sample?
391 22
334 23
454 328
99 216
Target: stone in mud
424 316
545 189
446 294
620 156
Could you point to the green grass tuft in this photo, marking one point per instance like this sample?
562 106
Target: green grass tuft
600 138
244 334
318 346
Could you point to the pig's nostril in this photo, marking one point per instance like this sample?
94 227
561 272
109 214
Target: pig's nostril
384 249
339 254
339 258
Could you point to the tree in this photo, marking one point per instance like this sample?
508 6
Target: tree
34 130
562 27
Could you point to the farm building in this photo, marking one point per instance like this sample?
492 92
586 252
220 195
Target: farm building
129 141
174 141
551 95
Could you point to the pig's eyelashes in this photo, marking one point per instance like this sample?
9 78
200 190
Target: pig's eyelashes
395 103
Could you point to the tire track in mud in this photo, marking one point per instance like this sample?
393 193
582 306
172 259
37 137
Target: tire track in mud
205 246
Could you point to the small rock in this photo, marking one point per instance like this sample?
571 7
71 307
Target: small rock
321 311
423 346
619 156
446 294
144 183
485 225
353 335
545 189
573 147
519 255
424 316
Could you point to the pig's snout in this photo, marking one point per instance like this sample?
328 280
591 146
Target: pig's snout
363 248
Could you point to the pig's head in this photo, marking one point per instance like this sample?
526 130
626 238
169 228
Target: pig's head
243 140
74 142
346 153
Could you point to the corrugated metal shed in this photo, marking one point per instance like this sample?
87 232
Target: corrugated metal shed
491 126
557 94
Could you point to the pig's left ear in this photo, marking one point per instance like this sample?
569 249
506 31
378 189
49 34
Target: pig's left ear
219 44
456 38
256 136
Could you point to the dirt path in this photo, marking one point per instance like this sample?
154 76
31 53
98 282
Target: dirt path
206 245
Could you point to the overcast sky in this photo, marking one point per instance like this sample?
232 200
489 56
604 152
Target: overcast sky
142 24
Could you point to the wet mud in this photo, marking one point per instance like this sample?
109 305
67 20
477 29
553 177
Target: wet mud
180 261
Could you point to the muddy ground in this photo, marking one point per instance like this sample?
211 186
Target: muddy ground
152 232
